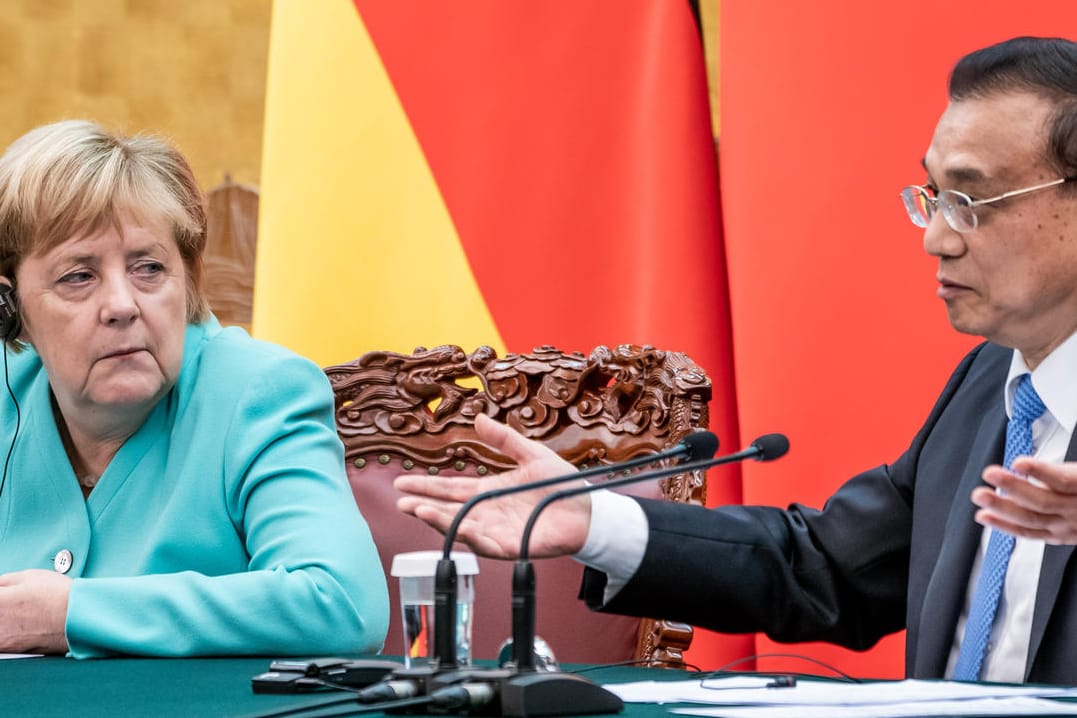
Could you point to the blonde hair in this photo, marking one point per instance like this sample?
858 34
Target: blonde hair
74 178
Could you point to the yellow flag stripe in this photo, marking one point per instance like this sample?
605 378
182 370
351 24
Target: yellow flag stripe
356 250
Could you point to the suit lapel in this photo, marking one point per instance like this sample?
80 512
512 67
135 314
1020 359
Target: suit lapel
946 590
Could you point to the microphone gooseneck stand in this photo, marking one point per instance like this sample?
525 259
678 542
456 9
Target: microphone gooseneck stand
533 693
546 694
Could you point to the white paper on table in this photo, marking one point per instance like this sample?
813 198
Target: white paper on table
19 655
734 690
669 691
1016 706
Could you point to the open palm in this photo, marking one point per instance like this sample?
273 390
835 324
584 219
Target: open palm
493 528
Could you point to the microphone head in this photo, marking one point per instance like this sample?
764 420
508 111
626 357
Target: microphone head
700 445
770 447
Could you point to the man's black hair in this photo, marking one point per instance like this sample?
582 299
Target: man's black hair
1045 66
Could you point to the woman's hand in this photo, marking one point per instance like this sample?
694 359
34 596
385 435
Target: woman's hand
33 611
494 527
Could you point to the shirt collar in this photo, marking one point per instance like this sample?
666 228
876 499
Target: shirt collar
1053 380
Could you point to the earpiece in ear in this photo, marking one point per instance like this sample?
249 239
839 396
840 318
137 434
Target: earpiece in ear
9 313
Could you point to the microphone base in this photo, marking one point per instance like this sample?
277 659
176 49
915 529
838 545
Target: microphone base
532 694
555 694
516 694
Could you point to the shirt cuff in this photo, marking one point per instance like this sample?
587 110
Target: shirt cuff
616 539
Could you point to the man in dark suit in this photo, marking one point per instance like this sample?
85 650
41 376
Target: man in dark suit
980 575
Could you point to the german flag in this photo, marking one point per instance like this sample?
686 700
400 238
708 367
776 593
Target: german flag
494 172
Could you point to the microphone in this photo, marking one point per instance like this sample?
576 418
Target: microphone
764 448
694 446
525 692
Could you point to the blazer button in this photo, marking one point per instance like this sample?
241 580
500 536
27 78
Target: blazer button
62 561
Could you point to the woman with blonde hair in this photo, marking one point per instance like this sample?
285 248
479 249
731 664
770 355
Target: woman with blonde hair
170 487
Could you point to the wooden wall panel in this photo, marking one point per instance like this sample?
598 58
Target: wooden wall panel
192 70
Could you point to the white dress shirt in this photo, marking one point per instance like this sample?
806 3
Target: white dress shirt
1007 647
616 539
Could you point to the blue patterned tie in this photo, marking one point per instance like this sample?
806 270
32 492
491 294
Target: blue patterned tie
1027 407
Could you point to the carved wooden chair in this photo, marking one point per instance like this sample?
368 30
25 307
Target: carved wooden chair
412 413
231 241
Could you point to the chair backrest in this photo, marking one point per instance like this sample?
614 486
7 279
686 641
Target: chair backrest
231 241
415 413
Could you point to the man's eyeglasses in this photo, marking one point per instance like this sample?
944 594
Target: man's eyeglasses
958 208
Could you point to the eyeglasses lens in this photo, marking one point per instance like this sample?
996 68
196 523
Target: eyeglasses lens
957 208
918 205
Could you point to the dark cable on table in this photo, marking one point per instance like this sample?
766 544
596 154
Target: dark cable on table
371 708
784 679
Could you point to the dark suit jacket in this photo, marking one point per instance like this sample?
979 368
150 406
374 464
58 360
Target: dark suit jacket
891 549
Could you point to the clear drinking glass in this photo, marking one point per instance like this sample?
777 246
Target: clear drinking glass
415 572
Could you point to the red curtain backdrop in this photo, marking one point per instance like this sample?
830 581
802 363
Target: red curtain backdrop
827 110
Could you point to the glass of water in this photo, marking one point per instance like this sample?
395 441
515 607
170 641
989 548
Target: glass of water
415 572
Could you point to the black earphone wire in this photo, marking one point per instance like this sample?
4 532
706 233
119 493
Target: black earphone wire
18 421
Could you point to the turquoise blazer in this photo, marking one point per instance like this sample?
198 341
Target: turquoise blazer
224 525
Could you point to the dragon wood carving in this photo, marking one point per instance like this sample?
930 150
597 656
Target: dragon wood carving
605 408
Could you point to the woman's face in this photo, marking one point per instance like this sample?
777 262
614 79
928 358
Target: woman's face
107 314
